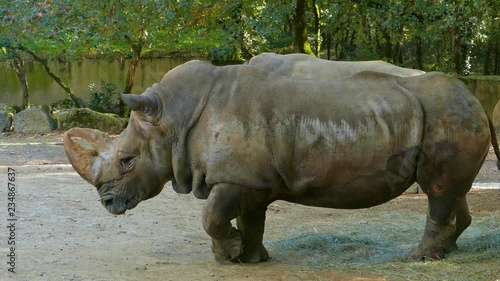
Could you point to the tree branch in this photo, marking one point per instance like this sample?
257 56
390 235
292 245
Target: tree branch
51 74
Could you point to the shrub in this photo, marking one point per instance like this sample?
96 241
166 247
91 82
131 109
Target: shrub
104 100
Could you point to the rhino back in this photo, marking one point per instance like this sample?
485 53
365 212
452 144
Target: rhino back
306 66
299 136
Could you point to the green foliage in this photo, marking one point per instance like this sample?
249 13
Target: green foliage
454 36
66 104
105 99
10 108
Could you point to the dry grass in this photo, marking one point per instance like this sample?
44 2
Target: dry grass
379 247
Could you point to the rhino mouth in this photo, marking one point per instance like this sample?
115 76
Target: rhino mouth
117 205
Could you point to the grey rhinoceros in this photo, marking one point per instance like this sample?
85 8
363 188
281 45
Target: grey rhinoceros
242 138
306 66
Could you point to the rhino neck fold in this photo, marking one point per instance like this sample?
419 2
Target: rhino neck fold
183 178
182 173
183 104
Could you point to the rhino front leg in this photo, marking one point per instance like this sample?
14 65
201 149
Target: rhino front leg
226 202
252 227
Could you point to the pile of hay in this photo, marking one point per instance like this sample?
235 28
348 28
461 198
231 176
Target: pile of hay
379 246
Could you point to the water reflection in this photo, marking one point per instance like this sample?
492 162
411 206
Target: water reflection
79 75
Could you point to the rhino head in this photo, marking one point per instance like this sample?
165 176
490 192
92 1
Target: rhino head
131 168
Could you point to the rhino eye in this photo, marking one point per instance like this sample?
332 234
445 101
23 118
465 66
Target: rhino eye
127 163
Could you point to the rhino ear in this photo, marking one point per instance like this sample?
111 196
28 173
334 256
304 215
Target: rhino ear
146 104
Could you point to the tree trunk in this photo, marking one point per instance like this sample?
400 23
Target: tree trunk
367 33
487 58
17 64
419 53
328 45
387 45
438 55
352 48
337 55
456 51
398 48
496 68
317 30
129 83
58 80
299 29
240 49
398 56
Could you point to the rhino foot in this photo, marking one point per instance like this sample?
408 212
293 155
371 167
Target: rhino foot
228 249
450 246
428 254
252 255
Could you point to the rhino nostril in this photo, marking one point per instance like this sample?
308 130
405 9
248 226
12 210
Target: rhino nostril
107 200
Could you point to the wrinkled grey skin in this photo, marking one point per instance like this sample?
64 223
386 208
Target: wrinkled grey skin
306 66
242 138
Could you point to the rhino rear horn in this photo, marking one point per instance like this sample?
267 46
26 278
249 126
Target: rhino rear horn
147 104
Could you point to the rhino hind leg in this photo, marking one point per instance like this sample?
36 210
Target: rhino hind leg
445 223
248 206
447 216
445 172
463 220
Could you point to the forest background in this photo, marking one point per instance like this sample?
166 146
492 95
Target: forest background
454 36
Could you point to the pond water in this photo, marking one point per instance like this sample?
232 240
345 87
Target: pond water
79 75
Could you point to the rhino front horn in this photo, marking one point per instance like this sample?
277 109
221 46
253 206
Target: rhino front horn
147 104
83 147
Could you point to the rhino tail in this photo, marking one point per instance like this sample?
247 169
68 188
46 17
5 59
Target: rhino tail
494 142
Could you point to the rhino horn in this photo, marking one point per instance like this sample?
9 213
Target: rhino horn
147 104
84 149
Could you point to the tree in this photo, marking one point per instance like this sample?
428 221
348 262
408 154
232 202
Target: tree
460 18
17 64
251 26
129 21
28 27
237 23
491 42
453 36
9 51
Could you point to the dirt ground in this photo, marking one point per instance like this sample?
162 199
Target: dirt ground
63 233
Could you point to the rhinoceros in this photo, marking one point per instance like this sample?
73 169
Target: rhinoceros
306 66
242 138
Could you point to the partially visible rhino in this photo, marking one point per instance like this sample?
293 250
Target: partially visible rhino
306 66
242 138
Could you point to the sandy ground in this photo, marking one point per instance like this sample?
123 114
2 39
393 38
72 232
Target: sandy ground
63 233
